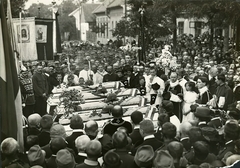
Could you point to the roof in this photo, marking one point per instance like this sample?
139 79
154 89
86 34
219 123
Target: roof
108 4
116 3
100 9
87 9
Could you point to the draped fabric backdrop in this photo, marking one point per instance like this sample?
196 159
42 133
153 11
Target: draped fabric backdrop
45 49
10 99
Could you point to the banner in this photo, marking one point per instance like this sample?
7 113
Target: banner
44 36
10 99
41 33
28 46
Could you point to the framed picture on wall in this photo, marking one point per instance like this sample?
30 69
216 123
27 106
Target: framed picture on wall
24 33
41 33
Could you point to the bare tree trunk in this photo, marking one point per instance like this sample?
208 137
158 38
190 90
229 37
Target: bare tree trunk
237 35
174 20
211 36
226 39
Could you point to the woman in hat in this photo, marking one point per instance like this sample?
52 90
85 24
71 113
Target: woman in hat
204 93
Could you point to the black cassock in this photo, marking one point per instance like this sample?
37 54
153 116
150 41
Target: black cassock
177 106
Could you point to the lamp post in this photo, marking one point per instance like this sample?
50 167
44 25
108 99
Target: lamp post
142 55
54 11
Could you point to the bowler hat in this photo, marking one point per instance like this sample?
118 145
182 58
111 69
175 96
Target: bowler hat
210 134
231 127
144 156
65 159
163 159
36 155
203 112
57 131
112 159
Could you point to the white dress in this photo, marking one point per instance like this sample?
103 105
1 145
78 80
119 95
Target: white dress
189 98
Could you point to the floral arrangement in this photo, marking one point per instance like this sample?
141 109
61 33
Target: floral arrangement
70 99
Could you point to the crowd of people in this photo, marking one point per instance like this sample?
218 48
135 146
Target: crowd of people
197 85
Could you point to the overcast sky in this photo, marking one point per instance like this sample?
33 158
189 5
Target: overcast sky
30 2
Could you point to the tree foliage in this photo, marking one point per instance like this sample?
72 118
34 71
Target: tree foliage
15 6
66 23
152 21
40 10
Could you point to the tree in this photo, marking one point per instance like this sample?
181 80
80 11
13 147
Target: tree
124 28
152 24
15 6
66 23
219 13
40 10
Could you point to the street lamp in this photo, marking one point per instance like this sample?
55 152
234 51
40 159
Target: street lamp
142 55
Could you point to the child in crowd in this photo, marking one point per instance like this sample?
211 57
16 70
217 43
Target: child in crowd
190 97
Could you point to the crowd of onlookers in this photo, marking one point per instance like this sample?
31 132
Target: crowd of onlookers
197 85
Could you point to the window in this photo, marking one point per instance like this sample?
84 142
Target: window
180 28
198 28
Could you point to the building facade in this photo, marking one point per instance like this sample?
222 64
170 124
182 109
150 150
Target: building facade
85 21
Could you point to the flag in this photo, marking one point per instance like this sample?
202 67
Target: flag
10 99
12 35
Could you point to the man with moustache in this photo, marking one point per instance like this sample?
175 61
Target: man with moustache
40 87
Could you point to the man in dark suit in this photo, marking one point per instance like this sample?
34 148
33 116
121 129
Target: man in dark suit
136 118
212 74
94 151
45 124
76 123
110 76
173 92
112 126
231 134
91 130
147 132
169 132
135 77
162 118
81 143
34 124
57 130
56 145
120 143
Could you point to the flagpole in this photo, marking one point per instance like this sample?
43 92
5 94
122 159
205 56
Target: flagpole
20 32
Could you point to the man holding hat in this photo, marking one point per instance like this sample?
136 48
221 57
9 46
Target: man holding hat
173 92
154 85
